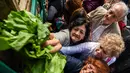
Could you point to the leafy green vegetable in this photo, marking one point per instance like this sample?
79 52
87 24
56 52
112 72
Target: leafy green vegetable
21 40
58 61
4 44
24 33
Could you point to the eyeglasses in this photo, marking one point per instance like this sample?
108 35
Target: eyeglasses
104 52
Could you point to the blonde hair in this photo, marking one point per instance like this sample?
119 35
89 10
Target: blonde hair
112 44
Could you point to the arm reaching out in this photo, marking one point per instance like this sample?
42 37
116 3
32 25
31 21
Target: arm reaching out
83 47
54 42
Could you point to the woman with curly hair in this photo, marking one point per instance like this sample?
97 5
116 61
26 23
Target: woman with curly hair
110 45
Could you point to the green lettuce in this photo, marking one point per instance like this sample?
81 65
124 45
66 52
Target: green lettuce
25 33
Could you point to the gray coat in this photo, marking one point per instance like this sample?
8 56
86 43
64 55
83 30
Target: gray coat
63 36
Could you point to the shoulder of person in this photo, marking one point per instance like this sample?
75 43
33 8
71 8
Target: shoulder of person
66 31
101 9
97 13
63 36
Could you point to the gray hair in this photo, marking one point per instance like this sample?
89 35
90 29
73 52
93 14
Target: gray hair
124 7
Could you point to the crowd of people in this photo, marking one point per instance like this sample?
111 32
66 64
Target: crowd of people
91 34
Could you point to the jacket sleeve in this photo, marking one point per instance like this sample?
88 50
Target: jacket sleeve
63 36
86 48
70 50
99 11
96 16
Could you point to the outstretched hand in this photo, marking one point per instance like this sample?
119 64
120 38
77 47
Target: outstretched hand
54 42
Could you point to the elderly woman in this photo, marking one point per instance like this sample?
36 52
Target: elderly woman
108 46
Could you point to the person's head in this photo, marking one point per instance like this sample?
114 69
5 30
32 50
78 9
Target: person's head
94 65
78 33
117 12
79 13
72 5
79 26
110 45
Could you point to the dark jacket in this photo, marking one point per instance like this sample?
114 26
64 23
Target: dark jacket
122 64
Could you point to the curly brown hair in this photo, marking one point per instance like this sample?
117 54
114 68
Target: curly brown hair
100 65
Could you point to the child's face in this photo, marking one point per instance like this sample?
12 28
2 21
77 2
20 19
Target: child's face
100 53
